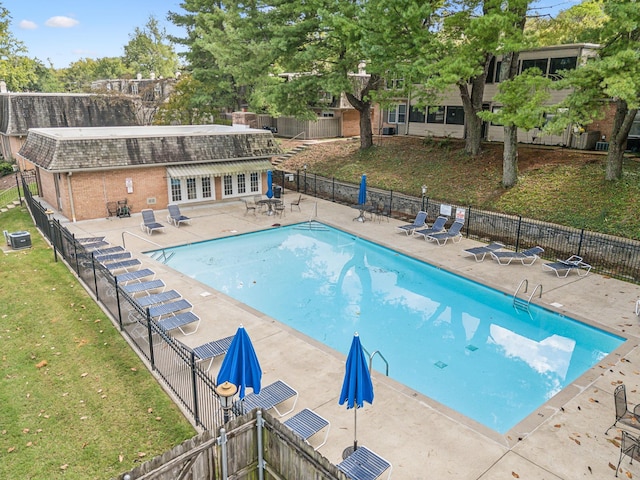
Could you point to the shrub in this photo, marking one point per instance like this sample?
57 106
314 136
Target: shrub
5 168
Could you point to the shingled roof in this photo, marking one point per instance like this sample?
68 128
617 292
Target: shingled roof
21 111
73 149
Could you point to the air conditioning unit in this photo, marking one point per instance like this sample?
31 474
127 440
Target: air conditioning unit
20 240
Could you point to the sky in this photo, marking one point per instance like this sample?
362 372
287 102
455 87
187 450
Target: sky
64 31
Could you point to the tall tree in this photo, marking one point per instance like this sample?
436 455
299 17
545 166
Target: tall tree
150 51
614 75
581 23
16 69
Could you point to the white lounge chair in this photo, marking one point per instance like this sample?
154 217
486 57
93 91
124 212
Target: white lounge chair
149 223
452 234
480 252
269 397
174 216
437 227
562 267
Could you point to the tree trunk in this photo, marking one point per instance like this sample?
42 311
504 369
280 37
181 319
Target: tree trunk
510 156
622 123
472 104
364 109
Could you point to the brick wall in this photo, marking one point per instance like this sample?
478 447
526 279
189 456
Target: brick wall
605 124
92 191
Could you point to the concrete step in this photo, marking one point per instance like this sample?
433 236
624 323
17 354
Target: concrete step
294 151
11 205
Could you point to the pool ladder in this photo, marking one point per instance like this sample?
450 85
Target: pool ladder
521 303
371 357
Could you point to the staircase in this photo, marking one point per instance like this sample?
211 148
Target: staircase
294 151
11 205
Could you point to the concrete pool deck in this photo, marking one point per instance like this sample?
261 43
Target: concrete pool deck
563 439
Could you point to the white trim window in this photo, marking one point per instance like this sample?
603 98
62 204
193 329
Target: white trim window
397 113
191 189
241 184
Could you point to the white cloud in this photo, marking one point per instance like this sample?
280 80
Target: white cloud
27 25
61 22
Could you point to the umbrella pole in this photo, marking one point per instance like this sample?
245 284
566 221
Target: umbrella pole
355 425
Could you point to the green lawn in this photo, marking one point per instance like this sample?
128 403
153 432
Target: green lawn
558 185
75 400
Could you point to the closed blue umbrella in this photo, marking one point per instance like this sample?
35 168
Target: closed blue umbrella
356 387
269 184
240 365
362 194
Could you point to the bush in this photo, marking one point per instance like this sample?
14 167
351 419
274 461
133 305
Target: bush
5 168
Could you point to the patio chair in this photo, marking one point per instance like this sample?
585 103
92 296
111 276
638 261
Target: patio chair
85 240
174 217
269 397
156 298
363 464
419 222
307 423
170 308
179 320
149 223
296 203
143 287
563 267
630 446
623 414
437 227
279 208
249 207
526 257
452 234
109 250
480 252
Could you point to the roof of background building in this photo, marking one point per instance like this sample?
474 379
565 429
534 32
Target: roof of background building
21 111
100 148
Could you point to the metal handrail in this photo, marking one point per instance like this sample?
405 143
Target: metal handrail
377 352
534 292
141 238
526 285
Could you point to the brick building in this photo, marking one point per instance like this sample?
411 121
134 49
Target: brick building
83 172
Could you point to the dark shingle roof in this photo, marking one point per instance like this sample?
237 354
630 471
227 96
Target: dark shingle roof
21 111
69 149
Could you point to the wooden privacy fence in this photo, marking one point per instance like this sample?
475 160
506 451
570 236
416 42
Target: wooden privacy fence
248 444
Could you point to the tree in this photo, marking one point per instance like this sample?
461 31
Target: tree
16 69
614 75
149 51
581 23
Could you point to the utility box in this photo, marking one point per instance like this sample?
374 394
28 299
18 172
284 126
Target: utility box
19 240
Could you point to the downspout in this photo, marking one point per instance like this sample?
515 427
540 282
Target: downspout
71 204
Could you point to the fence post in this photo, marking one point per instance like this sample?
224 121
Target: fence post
196 413
18 186
468 220
115 281
95 277
518 232
580 242
150 338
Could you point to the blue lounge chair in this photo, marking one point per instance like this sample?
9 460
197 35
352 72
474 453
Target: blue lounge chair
563 267
526 257
307 423
437 227
87 240
149 223
175 217
419 222
363 464
108 250
156 298
143 287
125 278
112 257
269 397
211 350
452 234
123 265
480 252
179 320
169 308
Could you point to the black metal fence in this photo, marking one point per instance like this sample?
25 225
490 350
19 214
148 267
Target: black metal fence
173 362
616 257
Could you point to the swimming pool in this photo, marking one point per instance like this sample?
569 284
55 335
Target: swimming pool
449 338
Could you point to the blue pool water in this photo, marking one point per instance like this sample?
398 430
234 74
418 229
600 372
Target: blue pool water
452 339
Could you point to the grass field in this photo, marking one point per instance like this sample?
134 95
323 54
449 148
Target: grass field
555 184
75 401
